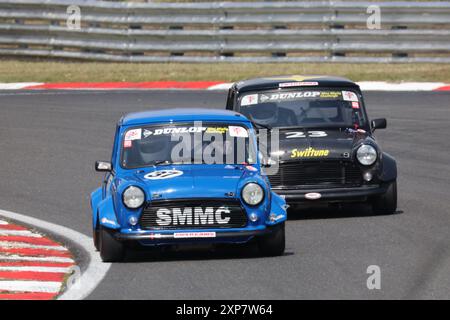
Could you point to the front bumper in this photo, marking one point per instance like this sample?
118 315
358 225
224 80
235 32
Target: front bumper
297 195
155 237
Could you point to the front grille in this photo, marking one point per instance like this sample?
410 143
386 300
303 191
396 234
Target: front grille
322 174
193 214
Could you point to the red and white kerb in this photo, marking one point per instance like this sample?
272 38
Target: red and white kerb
32 266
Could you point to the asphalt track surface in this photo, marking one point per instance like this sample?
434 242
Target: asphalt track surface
50 140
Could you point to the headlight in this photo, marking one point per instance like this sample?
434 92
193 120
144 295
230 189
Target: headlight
366 154
252 194
133 197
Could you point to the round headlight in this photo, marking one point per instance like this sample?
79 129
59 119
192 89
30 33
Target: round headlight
252 194
366 154
133 197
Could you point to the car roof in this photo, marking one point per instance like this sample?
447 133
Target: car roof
180 114
273 82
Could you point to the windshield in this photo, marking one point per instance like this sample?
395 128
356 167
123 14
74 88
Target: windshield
304 108
187 143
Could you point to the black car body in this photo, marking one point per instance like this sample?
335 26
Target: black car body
327 152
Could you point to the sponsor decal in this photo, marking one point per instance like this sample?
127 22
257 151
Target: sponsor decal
298 84
147 133
192 216
163 174
220 130
288 96
355 105
330 94
309 153
133 134
236 131
184 235
176 130
313 196
127 143
249 100
349 96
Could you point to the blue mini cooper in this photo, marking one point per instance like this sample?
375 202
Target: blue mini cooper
185 176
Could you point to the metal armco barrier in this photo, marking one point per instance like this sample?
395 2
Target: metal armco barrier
311 31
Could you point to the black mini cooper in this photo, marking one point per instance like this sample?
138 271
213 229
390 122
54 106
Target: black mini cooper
326 151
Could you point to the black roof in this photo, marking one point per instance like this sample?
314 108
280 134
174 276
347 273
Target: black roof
274 82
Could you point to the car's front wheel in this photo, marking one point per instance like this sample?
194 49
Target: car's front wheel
95 237
274 243
386 203
111 250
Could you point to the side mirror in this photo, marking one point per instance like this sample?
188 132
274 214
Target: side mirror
103 166
379 124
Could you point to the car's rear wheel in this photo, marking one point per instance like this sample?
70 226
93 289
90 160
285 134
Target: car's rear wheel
387 202
111 250
274 243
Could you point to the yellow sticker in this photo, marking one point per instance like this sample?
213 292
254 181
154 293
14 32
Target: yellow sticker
330 94
309 153
221 130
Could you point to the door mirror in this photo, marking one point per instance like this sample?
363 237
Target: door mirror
103 166
379 124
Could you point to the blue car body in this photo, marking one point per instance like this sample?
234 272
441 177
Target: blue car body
199 183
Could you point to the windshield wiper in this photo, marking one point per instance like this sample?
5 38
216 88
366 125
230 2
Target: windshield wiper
161 162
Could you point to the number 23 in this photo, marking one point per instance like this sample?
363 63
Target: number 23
311 134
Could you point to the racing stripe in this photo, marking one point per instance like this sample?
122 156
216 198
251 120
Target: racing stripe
30 286
35 252
23 233
10 244
32 275
35 269
26 296
24 258
11 227
31 240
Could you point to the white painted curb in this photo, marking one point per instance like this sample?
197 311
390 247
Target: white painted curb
96 269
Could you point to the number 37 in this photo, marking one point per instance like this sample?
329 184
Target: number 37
311 134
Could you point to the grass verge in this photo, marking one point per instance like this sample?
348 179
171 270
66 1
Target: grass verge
17 70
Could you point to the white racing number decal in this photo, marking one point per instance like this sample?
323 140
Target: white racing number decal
249 100
301 134
349 96
192 216
134 134
163 174
239 132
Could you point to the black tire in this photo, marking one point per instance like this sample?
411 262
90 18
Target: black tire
274 243
95 237
111 250
386 203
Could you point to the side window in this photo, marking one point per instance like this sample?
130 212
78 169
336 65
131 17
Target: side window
230 99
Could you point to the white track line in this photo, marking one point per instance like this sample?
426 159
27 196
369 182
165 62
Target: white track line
96 270
3 223
31 286
29 258
11 244
23 233
35 269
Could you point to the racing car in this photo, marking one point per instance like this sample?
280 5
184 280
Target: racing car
327 152
185 176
